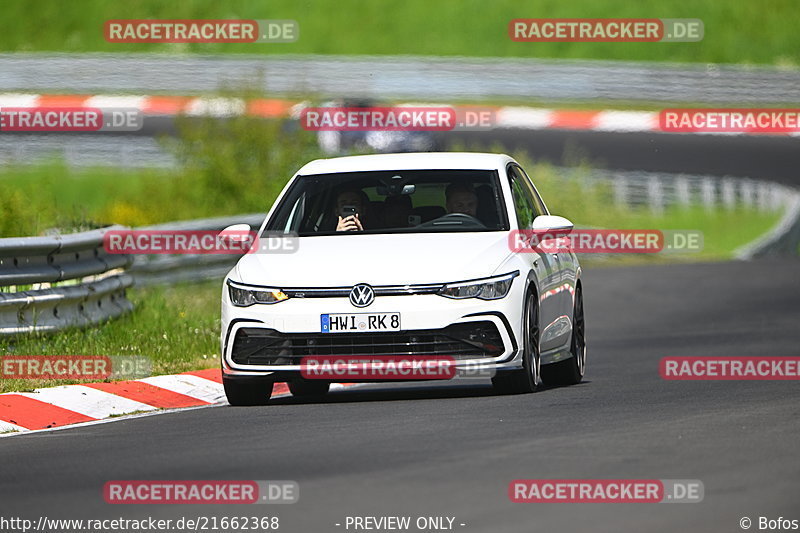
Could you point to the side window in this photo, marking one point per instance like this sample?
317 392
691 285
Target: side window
537 200
523 199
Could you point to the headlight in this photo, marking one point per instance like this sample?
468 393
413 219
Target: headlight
241 297
492 288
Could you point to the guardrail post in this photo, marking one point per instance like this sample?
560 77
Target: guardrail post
729 193
763 196
655 194
620 190
747 192
707 191
683 194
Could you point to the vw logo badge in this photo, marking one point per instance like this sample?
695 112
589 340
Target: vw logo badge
362 295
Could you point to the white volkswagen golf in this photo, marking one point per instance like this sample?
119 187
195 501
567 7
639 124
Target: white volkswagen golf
404 255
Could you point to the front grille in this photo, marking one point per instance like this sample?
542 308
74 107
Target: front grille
261 346
344 292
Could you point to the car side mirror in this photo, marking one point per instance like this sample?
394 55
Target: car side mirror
551 223
237 233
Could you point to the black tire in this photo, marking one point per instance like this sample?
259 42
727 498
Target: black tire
245 392
526 379
309 388
570 371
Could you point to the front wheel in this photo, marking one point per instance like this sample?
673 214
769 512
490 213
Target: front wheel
526 379
570 371
244 392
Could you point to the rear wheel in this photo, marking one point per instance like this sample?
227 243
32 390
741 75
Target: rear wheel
570 371
244 392
526 379
308 388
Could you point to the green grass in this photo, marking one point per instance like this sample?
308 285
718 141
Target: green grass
755 32
592 204
176 327
589 203
35 198
38 197
226 168
237 167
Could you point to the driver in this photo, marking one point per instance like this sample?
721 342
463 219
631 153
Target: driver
461 198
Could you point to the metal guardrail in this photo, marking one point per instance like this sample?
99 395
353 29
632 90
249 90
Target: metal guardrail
66 280
52 283
154 269
659 190
86 150
417 77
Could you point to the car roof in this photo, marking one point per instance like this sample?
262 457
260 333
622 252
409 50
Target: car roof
407 161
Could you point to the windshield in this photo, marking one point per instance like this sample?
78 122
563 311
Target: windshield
406 201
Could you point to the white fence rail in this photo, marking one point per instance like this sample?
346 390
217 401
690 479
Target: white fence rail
657 191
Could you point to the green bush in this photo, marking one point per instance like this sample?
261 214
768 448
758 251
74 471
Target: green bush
237 165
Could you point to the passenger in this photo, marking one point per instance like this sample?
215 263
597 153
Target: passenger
461 198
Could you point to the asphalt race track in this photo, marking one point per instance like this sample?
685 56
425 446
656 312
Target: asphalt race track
773 158
761 157
452 449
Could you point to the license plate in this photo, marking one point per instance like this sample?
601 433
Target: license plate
359 322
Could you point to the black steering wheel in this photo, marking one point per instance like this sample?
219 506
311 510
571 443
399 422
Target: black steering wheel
460 218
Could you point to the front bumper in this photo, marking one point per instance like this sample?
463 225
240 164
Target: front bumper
290 330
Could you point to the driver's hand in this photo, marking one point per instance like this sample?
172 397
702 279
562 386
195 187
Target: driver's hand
351 223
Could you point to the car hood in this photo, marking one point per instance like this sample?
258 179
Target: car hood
344 260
